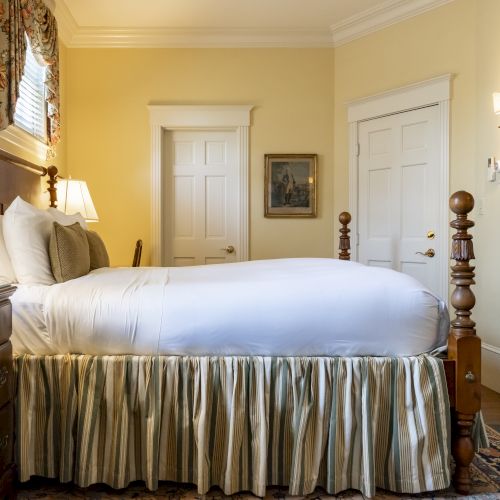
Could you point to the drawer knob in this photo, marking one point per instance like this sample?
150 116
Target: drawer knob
4 373
4 441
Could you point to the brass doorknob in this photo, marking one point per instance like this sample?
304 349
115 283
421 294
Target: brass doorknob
229 249
429 253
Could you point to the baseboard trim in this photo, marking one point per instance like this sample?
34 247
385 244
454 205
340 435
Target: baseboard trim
490 369
491 348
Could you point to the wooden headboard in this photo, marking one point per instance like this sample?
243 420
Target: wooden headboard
19 177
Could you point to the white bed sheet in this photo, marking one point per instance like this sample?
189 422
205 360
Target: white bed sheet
285 307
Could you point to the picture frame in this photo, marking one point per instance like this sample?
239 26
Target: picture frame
290 185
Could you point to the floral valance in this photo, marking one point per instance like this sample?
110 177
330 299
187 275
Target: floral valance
32 18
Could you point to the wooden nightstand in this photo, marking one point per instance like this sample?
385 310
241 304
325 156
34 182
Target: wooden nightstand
7 467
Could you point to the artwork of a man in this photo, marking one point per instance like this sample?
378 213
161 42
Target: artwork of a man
290 186
288 181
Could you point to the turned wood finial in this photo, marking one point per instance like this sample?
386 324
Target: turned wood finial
344 240
464 346
52 172
462 250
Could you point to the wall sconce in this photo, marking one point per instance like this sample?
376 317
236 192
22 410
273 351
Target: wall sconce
493 165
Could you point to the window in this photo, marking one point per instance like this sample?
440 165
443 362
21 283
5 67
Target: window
31 114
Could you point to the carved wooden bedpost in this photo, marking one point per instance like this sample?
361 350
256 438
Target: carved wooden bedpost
464 346
52 172
344 240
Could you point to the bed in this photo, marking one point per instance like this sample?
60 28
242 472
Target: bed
270 396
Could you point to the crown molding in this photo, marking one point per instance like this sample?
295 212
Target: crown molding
380 17
199 37
364 23
66 24
97 37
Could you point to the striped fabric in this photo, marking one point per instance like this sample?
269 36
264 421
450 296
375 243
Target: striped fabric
479 434
237 422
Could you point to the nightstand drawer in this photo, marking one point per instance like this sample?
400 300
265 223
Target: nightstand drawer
5 321
5 373
6 436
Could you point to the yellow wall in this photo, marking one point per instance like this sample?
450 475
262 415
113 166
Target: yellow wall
452 39
487 242
300 98
109 133
438 42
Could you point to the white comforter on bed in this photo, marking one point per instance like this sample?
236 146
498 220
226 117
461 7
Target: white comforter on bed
285 307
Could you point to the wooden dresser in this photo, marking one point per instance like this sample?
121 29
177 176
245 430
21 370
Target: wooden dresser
7 467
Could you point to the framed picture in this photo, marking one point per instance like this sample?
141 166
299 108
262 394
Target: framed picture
290 185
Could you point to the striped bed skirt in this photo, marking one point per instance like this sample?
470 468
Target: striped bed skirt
240 423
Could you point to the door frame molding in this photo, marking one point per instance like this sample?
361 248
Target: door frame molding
189 117
435 91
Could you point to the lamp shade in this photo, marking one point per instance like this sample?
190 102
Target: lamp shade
496 102
74 196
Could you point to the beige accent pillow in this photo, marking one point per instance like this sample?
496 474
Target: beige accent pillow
98 254
69 252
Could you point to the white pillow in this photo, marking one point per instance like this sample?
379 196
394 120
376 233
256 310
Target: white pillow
67 220
26 230
7 274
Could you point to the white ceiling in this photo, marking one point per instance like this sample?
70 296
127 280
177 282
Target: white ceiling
215 13
227 23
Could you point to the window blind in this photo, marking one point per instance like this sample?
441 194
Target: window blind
30 112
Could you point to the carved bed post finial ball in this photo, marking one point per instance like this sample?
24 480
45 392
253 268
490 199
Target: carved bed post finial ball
461 202
52 171
345 218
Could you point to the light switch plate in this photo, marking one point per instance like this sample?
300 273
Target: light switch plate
493 169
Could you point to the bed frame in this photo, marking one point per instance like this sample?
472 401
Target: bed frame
463 363
22 182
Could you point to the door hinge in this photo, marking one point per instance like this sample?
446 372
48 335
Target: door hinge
358 149
357 239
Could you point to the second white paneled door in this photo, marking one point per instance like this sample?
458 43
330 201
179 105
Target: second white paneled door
399 187
202 205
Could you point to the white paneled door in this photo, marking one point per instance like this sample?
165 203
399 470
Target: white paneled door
399 187
201 197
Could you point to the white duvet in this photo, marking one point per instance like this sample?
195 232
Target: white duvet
286 307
